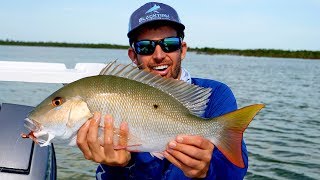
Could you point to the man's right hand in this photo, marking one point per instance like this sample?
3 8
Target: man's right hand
89 144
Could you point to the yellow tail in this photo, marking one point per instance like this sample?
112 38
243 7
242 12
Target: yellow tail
235 123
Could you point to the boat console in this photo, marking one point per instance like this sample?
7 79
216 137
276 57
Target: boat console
22 158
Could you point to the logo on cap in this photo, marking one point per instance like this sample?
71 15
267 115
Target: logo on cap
154 14
153 9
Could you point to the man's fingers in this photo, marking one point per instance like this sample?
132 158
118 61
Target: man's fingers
92 136
82 140
194 146
170 157
192 154
173 160
90 144
197 141
188 155
108 136
124 131
188 150
190 167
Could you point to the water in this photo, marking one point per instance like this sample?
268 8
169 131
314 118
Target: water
283 140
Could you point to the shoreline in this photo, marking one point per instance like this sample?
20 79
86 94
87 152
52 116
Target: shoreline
276 53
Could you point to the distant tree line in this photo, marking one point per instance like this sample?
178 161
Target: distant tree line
62 44
303 54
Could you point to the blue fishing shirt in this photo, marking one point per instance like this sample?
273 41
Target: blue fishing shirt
144 166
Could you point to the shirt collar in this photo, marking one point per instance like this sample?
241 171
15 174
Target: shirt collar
185 76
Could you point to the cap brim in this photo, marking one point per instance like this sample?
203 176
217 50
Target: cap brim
175 25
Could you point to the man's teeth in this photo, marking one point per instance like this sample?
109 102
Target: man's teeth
163 67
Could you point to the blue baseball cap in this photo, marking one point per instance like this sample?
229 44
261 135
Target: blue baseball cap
151 12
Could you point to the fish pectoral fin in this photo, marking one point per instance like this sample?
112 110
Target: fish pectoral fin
131 148
47 142
122 140
132 141
157 154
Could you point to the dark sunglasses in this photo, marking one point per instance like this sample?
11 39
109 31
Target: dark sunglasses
147 47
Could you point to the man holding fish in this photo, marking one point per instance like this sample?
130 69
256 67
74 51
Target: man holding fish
150 122
156 45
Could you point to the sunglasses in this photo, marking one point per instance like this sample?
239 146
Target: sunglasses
147 47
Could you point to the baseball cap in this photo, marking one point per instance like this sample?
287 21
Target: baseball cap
151 12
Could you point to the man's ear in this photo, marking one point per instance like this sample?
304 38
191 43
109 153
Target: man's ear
184 49
132 55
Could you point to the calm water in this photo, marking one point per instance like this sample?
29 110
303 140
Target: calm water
283 141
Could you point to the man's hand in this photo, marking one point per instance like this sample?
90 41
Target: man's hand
89 144
192 154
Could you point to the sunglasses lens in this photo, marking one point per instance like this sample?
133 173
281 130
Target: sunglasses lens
147 47
144 47
171 44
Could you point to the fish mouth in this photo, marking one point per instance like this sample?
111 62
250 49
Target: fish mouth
31 125
37 134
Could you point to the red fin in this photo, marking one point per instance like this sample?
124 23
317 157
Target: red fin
234 124
130 148
126 147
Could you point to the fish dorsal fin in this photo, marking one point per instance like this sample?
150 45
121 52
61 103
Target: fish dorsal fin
193 97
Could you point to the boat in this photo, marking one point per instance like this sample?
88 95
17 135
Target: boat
21 158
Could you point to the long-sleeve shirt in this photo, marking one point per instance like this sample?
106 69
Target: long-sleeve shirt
143 166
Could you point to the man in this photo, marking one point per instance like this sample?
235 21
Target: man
156 45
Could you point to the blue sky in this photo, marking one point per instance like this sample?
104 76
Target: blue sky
239 24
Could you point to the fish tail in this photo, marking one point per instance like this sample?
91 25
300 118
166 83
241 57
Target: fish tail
229 141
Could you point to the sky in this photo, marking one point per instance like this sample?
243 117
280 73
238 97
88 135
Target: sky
236 24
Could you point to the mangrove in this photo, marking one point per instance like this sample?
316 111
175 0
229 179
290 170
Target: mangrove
278 53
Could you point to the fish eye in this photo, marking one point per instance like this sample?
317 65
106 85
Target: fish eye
57 101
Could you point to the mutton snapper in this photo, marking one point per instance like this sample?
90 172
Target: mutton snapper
157 109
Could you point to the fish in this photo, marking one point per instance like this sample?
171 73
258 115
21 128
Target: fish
155 9
157 109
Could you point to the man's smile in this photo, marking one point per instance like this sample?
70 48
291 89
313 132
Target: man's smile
162 70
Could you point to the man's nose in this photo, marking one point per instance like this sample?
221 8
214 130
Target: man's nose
158 54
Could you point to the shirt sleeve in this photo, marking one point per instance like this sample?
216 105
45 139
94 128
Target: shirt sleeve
221 102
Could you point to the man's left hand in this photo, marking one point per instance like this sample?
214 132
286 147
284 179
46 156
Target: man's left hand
192 154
